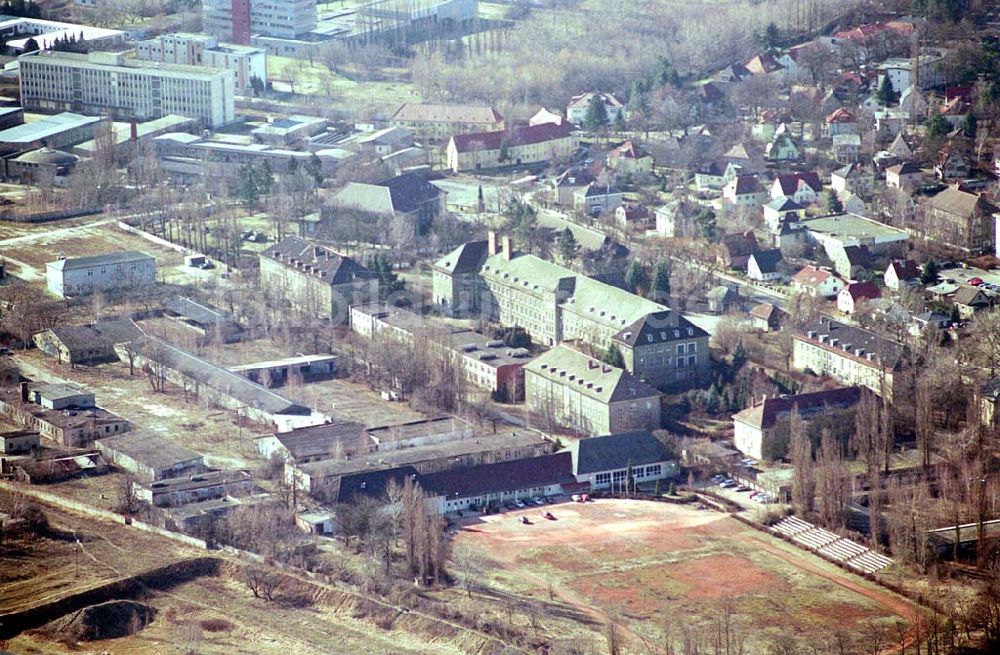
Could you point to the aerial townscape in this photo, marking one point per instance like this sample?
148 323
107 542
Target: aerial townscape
500 327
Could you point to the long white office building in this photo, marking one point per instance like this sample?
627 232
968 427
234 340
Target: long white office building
126 88
204 50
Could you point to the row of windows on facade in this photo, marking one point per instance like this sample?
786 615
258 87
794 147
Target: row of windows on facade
639 472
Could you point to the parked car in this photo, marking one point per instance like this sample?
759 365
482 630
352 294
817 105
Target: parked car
538 501
742 487
976 281
520 504
726 484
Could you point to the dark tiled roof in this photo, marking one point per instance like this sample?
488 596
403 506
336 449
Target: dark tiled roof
790 183
409 191
746 184
858 255
858 290
467 258
740 244
99 335
849 339
905 269
373 483
767 260
514 475
617 451
320 260
658 327
764 415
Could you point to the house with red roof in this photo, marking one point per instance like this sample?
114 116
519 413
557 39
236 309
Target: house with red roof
763 64
630 159
850 297
841 121
530 144
818 282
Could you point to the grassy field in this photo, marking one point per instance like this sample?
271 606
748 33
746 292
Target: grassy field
646 560
208 615
53 566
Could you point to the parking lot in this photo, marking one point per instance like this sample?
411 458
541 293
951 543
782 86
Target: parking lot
959 275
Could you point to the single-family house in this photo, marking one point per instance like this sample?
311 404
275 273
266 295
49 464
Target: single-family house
850 260
901 273
969 300
722 298
928 320
840 121
630 159
803 188
715 175
782 148
905 177
900 147
676 219
782 210
851 297
763 265
853 178
569 182
846 148
913 102
634 218
736 250
952 163
954 111
765 317
596 199
763 64
744 191
818 282
576 110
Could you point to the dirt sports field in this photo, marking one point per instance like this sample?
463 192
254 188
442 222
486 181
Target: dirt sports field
644 560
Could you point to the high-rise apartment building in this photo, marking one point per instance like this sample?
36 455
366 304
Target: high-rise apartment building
234 21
